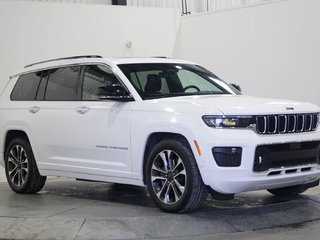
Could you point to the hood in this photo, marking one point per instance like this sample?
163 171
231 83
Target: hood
241 104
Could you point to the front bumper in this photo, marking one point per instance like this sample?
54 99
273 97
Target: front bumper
244 178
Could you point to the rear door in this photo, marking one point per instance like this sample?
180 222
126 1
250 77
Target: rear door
52 113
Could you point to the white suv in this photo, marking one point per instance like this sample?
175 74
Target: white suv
169 124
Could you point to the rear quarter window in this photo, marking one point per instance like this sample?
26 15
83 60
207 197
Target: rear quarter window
26 87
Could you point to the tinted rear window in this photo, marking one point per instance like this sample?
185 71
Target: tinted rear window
26 87
63 84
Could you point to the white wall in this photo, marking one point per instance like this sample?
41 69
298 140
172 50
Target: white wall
192 5
74 1
271 50
35 31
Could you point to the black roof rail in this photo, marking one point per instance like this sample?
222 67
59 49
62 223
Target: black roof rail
65 58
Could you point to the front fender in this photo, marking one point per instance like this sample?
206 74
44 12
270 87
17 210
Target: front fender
161 123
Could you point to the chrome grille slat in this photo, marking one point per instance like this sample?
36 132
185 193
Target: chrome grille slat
291 123
309 122
275 124
315 121
299 123
287 123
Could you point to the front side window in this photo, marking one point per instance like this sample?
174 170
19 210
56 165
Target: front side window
26 87
159 80
63 84
96 79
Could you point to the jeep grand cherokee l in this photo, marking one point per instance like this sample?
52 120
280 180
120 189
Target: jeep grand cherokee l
169 124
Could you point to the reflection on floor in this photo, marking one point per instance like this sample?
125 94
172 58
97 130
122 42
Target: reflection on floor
67 209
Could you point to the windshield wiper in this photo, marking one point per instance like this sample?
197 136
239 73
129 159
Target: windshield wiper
183 94
208 93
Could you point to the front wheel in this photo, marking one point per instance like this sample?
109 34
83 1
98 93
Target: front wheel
173 179
288 191
21 169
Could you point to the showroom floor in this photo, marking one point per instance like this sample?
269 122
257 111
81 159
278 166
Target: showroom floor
2 175
67 209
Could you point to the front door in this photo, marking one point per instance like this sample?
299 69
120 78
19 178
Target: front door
101 128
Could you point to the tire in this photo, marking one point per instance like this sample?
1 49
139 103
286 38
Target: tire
21 169
173 179
288 191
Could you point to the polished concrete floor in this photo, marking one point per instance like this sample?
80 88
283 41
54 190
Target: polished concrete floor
67 209
2 175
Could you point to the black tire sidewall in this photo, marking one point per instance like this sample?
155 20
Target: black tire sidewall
26 146
186 156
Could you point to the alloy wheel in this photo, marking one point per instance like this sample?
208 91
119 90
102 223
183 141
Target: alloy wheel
18 165
168 177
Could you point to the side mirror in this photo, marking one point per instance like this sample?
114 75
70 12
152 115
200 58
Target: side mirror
115 92
237 87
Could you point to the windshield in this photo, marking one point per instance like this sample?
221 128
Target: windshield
159 80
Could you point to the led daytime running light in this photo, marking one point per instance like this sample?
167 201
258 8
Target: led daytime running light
229 121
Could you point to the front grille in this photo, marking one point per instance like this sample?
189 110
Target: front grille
277 156
287 123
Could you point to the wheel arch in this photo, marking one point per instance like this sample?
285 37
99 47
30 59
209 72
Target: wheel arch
12 134
33 181
153 139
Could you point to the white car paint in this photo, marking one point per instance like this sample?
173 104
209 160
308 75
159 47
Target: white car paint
108 142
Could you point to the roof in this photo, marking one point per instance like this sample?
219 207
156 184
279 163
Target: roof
94 59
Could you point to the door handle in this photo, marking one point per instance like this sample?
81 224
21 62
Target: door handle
82 110
34 109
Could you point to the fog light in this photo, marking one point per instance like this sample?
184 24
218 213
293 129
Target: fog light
227 156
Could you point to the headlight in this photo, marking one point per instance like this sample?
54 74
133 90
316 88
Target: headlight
229 121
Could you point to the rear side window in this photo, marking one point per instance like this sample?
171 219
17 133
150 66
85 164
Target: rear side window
26 87
63 84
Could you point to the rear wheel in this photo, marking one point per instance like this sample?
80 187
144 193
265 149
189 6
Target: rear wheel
173 179
21 169
288 191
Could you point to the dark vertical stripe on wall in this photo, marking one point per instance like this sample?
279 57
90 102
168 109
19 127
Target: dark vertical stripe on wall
119 2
